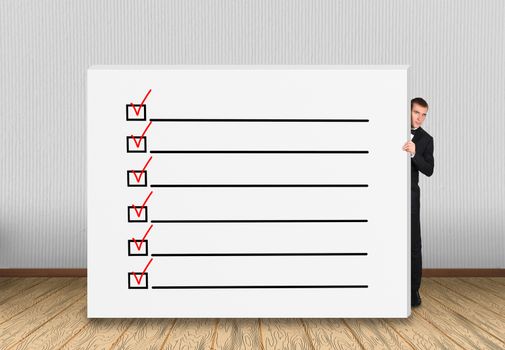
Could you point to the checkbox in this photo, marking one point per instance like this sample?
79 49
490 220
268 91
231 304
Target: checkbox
132 282
134 251
134 217
133 175
132 115
132 147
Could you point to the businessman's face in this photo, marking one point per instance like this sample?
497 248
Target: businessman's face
417 115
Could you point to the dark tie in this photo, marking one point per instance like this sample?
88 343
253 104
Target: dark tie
412 131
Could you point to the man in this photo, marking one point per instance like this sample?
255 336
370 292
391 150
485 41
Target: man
421 152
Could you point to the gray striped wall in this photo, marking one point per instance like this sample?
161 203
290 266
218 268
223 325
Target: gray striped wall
455 49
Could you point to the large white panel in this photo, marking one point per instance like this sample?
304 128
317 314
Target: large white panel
264 191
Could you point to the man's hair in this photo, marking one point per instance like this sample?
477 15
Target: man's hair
420 101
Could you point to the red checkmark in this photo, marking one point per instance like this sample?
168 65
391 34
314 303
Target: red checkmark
139 212
141 103
143 238
143 134
142 172
143 272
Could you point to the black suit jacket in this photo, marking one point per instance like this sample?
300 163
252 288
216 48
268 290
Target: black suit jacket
423 160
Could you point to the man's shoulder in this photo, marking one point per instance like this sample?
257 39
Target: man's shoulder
426 134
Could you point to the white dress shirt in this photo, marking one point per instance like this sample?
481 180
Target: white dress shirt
411 137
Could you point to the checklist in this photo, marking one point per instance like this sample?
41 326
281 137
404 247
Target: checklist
248 191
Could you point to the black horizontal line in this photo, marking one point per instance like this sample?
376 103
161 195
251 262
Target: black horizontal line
291 120
256 151
260 254
262 287
251 221
259 185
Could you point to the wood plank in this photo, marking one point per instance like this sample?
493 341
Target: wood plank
27 322
285 333
467 308
31 297
500 280
145 333
488 284
57 331
17 286
454 326
239 334
375 334
479 295
99 333
419 333
6 280
328 333
190 333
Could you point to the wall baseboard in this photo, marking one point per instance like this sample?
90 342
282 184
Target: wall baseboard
463 273
83 273
43 272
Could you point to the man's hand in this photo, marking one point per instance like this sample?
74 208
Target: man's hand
410 147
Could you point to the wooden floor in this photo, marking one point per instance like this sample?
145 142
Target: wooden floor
50 313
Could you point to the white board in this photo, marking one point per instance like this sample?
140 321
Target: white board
267 191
